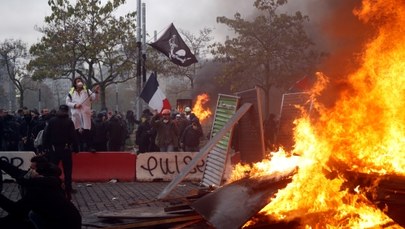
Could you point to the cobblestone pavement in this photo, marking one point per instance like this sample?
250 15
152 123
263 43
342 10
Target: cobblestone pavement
92 198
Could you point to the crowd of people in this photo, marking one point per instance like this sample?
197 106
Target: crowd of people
55 134
109 131
169 131
19 130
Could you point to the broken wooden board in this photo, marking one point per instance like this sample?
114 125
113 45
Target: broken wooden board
136 213
205 150
232 205
387 191
158 222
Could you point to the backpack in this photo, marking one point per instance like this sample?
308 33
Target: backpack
38 140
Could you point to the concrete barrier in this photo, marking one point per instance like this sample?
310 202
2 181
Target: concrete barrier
21 159
104 166
123 166
166 165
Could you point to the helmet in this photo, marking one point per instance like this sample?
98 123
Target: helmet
165 112
187 109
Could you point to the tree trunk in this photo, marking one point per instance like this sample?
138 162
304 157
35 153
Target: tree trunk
21 100
102 97
267 88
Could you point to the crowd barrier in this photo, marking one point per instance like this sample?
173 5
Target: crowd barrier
120 166
104 166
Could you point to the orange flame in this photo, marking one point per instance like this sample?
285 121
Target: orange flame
198 108
364 132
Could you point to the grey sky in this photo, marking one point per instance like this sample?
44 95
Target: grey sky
19 17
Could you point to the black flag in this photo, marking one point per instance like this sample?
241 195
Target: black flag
172 45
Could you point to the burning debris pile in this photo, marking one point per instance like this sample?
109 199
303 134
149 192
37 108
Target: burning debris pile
348 160
364 133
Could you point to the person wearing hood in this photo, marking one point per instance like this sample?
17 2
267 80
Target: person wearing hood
79 99
60 138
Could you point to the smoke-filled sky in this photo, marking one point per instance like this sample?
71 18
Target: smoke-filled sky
332 26
19 17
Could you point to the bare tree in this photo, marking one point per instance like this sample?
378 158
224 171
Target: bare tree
87 40
14 57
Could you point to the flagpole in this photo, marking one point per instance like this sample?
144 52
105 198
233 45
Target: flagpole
143 105
139 46
143 43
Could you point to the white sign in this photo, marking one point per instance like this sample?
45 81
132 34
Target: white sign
166 165
20 159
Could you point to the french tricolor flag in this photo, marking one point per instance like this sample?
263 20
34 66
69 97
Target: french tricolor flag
153 95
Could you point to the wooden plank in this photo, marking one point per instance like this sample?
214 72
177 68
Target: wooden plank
156 222
205 150
136 213
184 208
187 224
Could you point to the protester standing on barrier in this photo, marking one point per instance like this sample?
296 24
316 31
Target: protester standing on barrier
167 135
79 99
60 138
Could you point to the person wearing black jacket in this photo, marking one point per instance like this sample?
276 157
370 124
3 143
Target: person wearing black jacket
99 133
190 139
42 199
11 133
117 133
143 134
60 138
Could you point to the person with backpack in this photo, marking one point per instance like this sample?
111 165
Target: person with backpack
79 99
38 130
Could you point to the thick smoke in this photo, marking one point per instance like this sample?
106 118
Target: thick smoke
206 83
335 31
339 33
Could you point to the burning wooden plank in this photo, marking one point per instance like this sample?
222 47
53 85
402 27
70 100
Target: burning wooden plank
387 192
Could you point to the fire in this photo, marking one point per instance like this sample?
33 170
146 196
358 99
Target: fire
364 132
198 108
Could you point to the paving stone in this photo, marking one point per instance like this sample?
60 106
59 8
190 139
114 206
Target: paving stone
91 198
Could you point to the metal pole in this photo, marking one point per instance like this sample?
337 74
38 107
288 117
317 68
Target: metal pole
139 64
39 99
143 43
116 97
11 96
